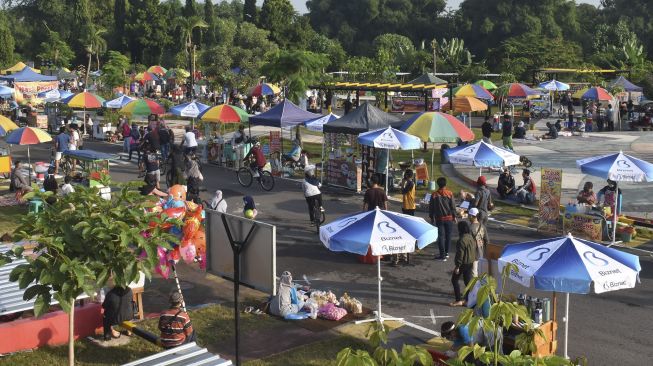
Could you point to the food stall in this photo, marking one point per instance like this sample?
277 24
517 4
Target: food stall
350 164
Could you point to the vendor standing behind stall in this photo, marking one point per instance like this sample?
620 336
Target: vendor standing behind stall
380 165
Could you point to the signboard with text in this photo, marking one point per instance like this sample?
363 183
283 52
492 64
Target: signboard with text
583 226
549 210
275 141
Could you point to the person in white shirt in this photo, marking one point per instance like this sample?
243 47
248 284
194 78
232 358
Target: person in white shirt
311 187
238 145
189 143
66 188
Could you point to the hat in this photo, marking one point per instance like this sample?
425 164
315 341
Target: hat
176 298
473 211
481 180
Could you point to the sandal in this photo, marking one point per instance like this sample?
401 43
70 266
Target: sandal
457 304
248 309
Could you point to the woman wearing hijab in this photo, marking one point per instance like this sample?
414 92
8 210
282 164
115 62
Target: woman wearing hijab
218 203
249 211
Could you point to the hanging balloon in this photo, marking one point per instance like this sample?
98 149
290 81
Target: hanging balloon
188 253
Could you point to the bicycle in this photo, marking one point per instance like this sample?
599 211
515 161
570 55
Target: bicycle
319 215
245 177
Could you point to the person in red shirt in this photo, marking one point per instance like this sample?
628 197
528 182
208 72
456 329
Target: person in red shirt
259 158
174 324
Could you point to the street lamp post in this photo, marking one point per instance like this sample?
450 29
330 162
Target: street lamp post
434 44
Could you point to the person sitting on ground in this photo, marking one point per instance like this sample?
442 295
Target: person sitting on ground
19 179
117 307
287 300
506 184
67 188
175 325
558 125
249 208
50 183
520 131
150 187
218 203
311 187
463 261
552 134
587 196
526 192
459 335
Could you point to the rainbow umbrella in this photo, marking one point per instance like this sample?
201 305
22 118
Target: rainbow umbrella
145 76
487 84
142 107
6 125
264 89
28 136
177 73
466 104
473 90
437 127
516 90
84 100
597 93
157 70
224 113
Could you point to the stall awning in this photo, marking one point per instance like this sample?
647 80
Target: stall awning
362 119
284 114
382 87
428 78
625 84
28 74
17 67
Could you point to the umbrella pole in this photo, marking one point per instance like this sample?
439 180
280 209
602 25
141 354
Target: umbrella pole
432 157
566 320
614 215
379 314
322 161
29 168
387 163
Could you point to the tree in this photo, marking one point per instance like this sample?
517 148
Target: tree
250 12
296 70
6 42
95 43
55 50
210 20
119 17
277 17
147 31
83 240
114 70
187 29
190 9
320 43
400 48
454 54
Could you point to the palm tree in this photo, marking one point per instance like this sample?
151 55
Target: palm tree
95 44
187 26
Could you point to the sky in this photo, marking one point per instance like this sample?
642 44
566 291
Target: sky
300 5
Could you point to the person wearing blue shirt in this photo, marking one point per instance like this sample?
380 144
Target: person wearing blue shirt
61 143
459 335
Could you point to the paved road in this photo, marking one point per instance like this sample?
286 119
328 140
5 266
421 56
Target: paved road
613 328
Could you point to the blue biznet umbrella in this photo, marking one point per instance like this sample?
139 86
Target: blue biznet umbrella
316 124
118 103
190 109
6 91
390 139
382 232
554 85
54 95
619 168
570 265
481 154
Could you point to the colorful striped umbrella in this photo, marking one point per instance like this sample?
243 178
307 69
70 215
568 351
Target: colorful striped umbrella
473 90
264 89
6 125
466 104
597 93
579 93
145 76
516 90
224 113
157 70
190 109
142 107
487 84
28 136
84 100
119 102
437 127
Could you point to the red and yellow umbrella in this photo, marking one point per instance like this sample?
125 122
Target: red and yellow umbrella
142 107
6 125
473 90
264 89
597 93
157 70
224 113
28 136
84 100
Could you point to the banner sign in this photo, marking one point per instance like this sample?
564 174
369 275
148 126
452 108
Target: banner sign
35 87
550 191
275 141
410 104
583 226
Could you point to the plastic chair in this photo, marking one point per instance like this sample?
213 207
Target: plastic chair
35 206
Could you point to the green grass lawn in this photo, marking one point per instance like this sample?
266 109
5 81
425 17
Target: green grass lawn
10 218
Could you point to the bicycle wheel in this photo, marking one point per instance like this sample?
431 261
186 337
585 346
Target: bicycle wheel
266 180
244 176
66 166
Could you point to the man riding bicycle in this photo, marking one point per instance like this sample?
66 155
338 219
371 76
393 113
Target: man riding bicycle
259 160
